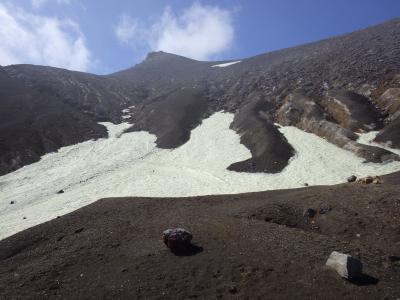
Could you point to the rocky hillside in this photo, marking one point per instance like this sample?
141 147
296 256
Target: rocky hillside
334 88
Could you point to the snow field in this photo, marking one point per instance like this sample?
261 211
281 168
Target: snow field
130 164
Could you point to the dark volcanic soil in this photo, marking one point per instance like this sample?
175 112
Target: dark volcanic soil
250 246
172 118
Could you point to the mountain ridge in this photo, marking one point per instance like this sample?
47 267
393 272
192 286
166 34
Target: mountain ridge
365 62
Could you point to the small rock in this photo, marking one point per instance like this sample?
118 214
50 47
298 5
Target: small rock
352 178
377 180
367 180
324 208
306 184
233 289
24 218
394 258
12 202
370 179
79 230
60 192
177 239
309 213
115 245
345 265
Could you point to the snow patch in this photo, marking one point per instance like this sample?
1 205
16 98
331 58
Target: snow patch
130 164
368 139
226 64
126 112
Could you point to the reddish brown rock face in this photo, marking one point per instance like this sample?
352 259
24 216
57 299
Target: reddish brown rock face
305 113
389 102
352 111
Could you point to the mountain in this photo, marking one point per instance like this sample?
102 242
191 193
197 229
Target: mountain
259 150
334 88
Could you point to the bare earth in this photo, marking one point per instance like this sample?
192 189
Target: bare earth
248 246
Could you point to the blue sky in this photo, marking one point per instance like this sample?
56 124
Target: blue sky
107 36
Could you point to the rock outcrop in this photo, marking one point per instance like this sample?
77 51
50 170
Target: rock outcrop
389 102
352 111
305 113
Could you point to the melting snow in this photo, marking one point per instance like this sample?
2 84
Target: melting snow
130 164
226 64
367 139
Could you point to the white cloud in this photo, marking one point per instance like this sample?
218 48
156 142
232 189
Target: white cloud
126 28
200 32
39 3
36 39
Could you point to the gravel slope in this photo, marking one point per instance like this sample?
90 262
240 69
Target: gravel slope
250 246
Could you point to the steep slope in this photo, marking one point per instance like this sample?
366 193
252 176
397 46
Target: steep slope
172 117
342 77
45 108
34 122
346 85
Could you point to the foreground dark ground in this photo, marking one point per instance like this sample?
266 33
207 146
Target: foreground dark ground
250 246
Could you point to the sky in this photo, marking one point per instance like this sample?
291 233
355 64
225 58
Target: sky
105 36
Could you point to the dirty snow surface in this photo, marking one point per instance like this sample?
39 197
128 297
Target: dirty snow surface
129 164
226 64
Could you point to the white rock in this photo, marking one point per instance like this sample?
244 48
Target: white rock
345 265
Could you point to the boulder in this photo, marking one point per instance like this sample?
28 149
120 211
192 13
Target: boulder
177 239
352 178
345 265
